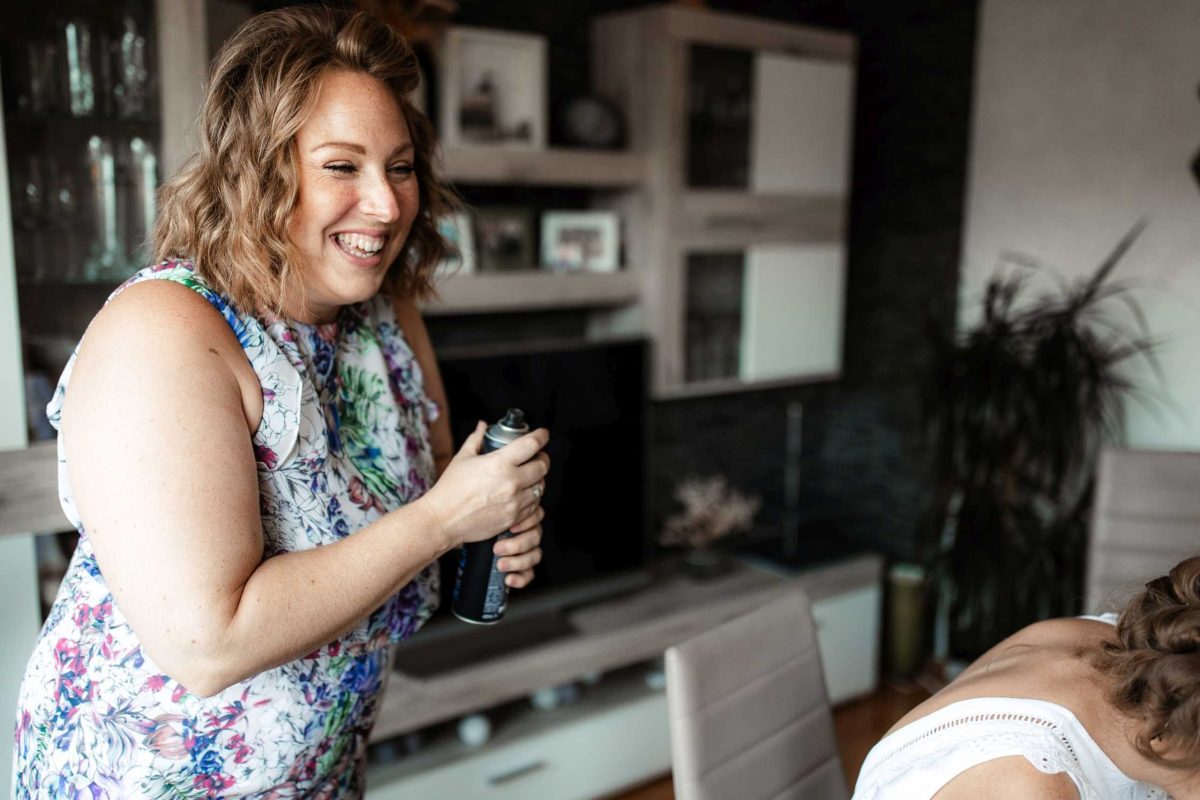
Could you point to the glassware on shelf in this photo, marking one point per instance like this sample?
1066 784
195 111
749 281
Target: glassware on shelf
107 255
143 172
713 332
720 91
42 79
30 218
81 76
131 89
66 253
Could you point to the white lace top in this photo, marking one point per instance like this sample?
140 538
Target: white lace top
916 761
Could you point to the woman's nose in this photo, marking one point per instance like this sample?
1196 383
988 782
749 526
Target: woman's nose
379 199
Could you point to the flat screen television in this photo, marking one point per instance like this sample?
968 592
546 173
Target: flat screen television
593 398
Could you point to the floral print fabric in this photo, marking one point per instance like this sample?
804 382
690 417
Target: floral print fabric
344 438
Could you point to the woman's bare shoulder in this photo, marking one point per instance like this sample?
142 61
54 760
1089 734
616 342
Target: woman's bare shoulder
160 334
157 310
155 326
1009 778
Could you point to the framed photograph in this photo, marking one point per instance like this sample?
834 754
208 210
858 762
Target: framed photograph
456 229
493 88
505 239
581 240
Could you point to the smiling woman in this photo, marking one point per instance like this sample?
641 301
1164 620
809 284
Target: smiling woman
358 194
253 446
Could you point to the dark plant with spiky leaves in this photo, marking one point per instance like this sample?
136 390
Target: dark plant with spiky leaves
1017 408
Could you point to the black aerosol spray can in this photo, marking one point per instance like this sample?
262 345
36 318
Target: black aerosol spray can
480 594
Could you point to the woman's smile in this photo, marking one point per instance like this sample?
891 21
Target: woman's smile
362 247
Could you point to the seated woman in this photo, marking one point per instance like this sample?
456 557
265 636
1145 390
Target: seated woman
1064 709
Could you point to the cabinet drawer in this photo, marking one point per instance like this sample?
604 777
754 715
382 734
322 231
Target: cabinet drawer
582 759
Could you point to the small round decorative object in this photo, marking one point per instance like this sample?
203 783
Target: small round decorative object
475 730
546 699
592 121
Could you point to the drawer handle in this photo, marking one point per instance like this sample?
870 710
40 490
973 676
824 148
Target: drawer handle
513 773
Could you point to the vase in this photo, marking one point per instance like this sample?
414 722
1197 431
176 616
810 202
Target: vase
703 563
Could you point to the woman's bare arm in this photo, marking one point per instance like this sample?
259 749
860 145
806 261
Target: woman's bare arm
1008 778
164 475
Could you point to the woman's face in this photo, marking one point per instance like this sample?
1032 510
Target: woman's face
358 194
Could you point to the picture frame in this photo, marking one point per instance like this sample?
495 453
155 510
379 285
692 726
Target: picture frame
574 241
492 89
456 228
505 240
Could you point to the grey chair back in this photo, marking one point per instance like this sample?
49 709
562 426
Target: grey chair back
749 715
1145 519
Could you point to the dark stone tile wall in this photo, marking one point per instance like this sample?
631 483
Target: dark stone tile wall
863 466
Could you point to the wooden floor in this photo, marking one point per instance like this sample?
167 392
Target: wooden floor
859 726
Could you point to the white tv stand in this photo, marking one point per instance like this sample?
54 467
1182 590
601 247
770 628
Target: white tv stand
616 736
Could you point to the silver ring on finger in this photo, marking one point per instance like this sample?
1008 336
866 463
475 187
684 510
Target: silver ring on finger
537 491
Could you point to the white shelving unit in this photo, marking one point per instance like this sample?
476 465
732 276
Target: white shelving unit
795 128
597 169
532 291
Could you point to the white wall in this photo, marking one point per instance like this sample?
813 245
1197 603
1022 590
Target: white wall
1086 118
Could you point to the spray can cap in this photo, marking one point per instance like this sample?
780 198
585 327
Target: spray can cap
514 419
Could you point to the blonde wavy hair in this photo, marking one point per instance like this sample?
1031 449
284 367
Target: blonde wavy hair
228 208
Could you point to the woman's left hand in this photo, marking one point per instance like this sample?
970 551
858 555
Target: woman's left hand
521 552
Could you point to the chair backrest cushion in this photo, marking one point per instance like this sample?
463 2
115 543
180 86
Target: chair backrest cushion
1145 519
750 718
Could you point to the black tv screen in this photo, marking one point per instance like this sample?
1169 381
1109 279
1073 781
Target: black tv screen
593 399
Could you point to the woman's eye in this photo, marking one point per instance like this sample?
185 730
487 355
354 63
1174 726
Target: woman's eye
344 169
400 170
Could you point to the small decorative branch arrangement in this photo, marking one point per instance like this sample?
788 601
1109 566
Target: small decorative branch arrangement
712 509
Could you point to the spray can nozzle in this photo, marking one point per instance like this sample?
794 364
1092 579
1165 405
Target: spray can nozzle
514 419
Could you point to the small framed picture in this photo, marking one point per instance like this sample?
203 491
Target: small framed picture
455 228
581 240
493 88
505 239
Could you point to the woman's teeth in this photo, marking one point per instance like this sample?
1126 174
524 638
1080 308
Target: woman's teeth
359 244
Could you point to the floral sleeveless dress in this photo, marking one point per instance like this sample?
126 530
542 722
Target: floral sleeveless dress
344 438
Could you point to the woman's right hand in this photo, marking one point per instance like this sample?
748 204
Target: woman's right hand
479 496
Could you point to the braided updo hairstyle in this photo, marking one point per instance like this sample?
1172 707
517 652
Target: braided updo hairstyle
1155 666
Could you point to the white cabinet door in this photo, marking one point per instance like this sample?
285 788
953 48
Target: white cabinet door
848 635
801 126
792 311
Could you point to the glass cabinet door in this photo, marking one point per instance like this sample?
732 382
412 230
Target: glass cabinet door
82 138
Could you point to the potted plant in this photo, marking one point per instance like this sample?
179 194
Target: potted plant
1017 408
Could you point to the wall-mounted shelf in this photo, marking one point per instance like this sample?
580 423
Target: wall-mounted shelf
531 291
715 219
552 167
711 388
